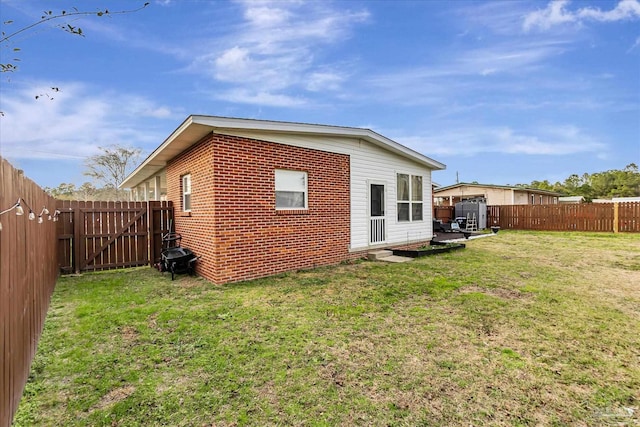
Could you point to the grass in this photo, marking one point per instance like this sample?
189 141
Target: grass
518 329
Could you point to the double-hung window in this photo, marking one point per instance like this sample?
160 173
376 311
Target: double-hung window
186 193
291 189
409 193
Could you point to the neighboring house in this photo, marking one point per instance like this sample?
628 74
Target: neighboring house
494 195
617 200
257 197
571 199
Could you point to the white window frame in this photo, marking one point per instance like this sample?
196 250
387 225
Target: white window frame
186 192
410 201
286 181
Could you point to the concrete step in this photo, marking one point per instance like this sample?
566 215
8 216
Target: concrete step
386 255
379 254
396 258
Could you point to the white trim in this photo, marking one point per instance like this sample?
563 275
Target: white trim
383 218
185 193
290 188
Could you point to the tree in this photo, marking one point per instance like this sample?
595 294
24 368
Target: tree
112 166
47 16
611 183
64 191
87 191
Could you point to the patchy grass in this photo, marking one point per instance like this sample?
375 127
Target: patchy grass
519 329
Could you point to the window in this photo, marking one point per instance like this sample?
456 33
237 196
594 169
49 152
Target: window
291 189
409 197
186 193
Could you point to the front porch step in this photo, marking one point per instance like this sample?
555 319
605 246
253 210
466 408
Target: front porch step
396 258
379 255
386 255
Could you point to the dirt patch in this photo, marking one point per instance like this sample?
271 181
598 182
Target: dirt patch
114 396
188 282
129 333
495 292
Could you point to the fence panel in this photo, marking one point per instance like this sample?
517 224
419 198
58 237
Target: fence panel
598 217
444 213
107 235
28 273
629 217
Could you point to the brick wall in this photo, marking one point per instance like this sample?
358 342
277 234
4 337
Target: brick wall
233 223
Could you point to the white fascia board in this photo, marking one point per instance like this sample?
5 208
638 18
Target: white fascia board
186 135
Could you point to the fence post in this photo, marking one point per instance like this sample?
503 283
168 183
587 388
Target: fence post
616 217
75 216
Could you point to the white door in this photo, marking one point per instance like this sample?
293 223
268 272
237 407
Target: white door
377 219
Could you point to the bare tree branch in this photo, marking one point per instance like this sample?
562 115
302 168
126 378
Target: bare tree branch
49 16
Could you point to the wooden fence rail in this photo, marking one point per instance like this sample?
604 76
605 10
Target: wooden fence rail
28 273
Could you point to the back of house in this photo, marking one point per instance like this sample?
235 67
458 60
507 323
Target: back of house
255 198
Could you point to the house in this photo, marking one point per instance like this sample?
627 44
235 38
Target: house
493 194
571 199
257 197
618 200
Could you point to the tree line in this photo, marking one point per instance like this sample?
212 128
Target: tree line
599 185
108 169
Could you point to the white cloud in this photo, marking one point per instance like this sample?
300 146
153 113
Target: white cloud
625 10
553 14
324 80
277 50
75 122
244 96
498 69
557 13
550 141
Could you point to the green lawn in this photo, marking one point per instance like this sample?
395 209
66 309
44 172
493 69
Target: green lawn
520 328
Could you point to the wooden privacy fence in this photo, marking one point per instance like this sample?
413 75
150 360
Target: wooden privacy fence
444 213
28 273
604 217
106 235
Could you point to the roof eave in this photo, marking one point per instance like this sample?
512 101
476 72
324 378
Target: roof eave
195 127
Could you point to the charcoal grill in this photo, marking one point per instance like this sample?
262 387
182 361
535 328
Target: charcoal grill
175 258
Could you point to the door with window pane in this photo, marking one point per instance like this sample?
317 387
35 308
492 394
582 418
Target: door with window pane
377 220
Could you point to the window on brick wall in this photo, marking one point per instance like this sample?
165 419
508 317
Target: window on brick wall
409 194
186 193
291 189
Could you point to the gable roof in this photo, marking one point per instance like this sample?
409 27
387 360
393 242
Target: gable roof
502 187
195 127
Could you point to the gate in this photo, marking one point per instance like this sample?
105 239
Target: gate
106 235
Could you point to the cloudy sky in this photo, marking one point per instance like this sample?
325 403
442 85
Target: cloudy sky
502 92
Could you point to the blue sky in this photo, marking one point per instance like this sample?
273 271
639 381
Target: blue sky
502 92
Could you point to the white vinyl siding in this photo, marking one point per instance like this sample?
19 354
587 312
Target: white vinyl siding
367 161
291 189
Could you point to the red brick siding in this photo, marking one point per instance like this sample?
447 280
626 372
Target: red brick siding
234 224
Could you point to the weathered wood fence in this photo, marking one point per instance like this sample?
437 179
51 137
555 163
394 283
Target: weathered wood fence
28 273
603 217
599 217
66 237
106 235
